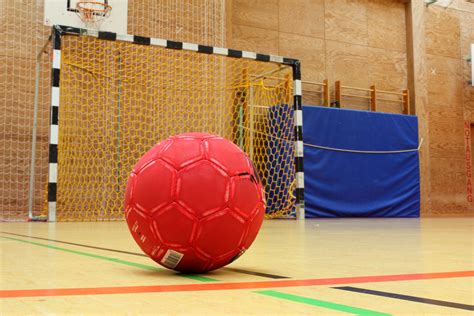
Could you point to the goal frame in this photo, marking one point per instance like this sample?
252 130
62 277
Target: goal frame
59 30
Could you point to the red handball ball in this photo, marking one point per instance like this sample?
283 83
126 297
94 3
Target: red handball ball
194 202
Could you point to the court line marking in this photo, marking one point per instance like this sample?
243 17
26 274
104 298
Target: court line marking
260 274
218 286
115 260
407 298
80 245
323 304
196 277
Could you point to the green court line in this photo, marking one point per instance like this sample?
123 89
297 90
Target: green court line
116 260
324 304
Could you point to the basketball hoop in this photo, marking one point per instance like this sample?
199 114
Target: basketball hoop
93 13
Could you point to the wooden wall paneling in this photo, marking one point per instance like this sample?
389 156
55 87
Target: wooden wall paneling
463 5
312 95
468 95
229 22
387 69
346 21
466 21
316 93
310 51
470 166
445 87
389 104
386 25
446 134
348 63
469 109
442 32
3 27
448 187
448 177
362 104
254 39
467 37
302 17
257 13
444 81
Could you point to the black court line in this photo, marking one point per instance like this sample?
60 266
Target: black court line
407 298
80 245
260 274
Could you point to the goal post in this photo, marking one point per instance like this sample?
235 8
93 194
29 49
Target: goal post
114 96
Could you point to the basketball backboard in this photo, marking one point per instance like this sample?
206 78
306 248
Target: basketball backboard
64 12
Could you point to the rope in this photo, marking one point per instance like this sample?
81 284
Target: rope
367 151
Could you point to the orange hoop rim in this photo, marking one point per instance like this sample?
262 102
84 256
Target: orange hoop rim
89 13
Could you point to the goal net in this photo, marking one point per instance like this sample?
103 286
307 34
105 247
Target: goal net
115 96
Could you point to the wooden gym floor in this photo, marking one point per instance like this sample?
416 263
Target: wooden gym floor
317 267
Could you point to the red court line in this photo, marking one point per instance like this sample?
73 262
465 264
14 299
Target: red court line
231 286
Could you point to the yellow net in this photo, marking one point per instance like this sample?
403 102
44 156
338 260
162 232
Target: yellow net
118 99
